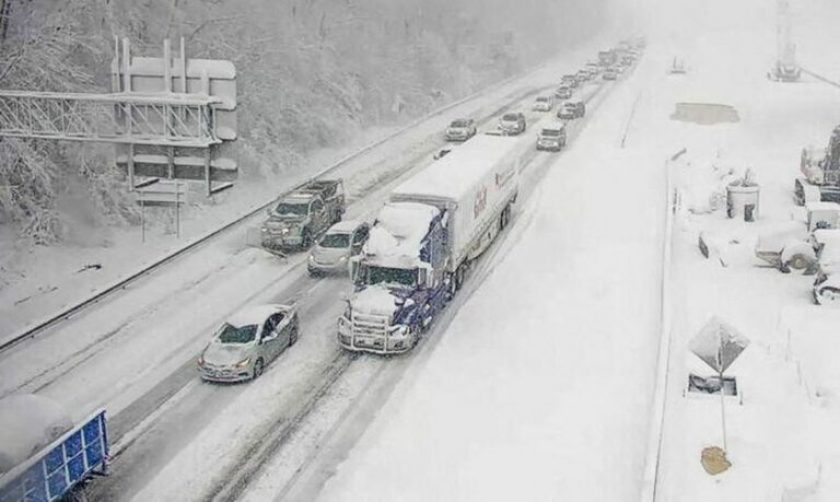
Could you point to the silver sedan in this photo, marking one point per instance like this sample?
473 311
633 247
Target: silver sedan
342 241
247 342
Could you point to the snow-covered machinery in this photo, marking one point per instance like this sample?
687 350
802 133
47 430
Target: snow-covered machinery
821 172
786 69
43 456
423 242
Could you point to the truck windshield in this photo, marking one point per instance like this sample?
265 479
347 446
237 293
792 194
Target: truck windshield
380 275
551 132
293 209
242 334
335 241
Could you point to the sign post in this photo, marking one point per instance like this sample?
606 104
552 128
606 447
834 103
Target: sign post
718 344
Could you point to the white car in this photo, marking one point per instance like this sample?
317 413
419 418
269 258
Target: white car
248 341
543 104
512 123
461 130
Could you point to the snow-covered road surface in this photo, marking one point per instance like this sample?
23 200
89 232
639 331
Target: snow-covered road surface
540 387
134 352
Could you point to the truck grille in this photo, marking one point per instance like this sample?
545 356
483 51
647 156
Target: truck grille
370 325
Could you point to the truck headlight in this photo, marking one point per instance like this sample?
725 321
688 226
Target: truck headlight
284 230
348 311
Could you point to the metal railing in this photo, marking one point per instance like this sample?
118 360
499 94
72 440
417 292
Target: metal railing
184 120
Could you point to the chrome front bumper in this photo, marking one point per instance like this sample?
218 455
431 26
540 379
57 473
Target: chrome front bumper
368 333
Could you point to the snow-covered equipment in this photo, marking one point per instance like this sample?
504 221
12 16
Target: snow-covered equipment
786 68
424 240
785 246
742 198
822 215
820 168
43 456
677 67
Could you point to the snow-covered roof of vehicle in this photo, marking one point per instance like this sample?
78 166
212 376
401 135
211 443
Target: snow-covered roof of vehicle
344 227
554 126
398 233
255 314
298 197
459 172
822 206
825 235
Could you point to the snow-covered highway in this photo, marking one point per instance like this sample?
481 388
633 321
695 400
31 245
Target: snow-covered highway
134 352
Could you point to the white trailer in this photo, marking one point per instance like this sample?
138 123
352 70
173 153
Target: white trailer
475 185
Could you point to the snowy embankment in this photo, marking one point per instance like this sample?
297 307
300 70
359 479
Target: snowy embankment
540 388
782 438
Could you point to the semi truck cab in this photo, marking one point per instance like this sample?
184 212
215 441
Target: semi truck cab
398 280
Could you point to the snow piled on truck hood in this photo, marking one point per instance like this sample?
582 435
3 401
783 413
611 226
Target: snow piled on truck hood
398 233
376 300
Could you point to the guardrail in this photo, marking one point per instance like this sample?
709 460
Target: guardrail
650 482
39 326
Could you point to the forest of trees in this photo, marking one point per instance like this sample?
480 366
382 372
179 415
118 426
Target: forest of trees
311 73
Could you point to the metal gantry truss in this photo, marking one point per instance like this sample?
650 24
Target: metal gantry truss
181 120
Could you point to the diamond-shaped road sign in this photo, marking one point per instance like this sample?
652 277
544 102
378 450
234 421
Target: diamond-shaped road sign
718 344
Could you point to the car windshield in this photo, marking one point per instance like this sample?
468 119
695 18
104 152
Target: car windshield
510 116
458 123
242 334
291 208
382 275
542 100
551 132
335 241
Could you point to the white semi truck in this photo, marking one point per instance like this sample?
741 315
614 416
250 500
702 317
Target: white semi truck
424 240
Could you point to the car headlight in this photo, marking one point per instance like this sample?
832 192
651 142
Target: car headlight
201 360
284 230
243 363
342 259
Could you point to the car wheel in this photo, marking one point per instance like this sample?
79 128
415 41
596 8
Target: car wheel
306 239
258 369
293 336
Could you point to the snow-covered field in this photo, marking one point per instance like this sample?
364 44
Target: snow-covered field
781 430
